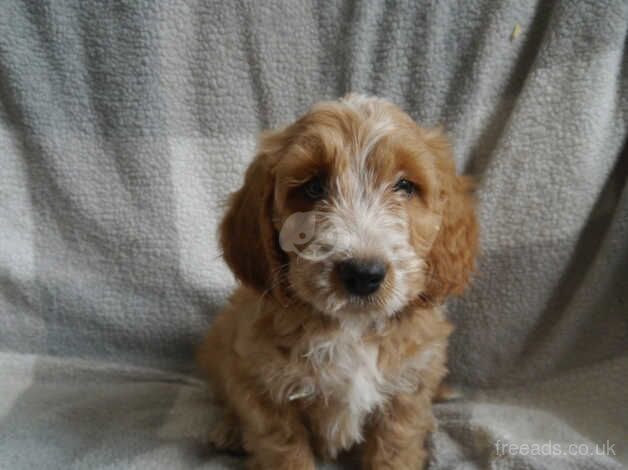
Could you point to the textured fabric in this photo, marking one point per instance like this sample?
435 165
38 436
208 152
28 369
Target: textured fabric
124 126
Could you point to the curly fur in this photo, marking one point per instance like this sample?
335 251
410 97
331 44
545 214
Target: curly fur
302 368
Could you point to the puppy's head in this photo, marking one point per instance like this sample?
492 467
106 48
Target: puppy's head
354 210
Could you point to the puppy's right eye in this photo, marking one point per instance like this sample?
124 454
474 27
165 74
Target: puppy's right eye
315 189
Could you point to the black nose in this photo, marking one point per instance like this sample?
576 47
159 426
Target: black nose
361 277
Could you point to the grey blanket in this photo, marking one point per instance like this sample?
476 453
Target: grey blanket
124 126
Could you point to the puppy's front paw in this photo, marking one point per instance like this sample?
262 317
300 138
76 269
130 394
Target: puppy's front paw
296 461
226 435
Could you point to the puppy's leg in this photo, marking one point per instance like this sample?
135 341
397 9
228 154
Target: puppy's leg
274 436
396 440
277 441
226 433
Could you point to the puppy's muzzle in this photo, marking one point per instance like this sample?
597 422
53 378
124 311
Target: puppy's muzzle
361 277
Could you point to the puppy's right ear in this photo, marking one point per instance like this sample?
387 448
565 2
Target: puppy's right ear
248 238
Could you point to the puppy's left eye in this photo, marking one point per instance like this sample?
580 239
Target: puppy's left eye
408 187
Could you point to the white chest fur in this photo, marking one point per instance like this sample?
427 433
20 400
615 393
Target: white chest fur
346 376
346 368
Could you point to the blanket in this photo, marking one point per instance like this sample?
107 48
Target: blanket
125 125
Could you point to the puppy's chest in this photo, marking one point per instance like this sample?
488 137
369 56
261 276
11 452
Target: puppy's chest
342 382
346 371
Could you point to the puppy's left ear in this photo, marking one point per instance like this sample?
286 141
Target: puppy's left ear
451 259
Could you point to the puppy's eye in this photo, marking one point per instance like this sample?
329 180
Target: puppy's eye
315 189
408 187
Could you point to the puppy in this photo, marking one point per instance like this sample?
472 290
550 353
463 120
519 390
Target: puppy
350 231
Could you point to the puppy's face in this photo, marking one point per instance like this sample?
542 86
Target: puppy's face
367 187
359 213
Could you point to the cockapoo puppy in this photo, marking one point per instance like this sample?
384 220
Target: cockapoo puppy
351 229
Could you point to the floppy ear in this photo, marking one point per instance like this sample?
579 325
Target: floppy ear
247 236
451 259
